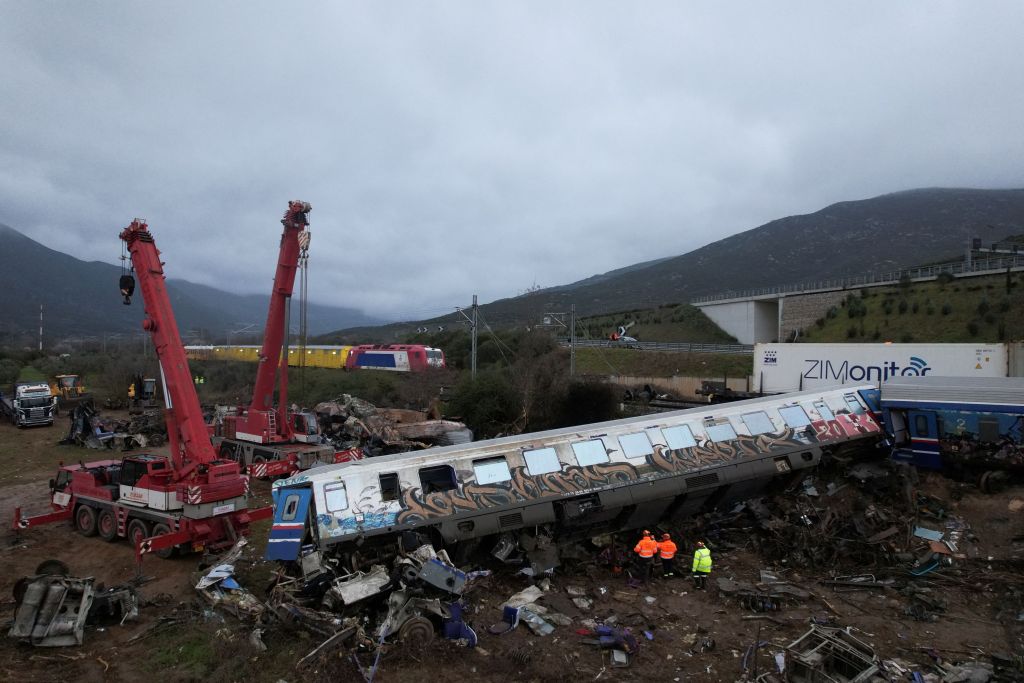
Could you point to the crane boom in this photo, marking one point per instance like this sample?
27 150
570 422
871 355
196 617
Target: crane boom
186 430
264 421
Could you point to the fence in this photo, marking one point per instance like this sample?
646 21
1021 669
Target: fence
683 347
985 266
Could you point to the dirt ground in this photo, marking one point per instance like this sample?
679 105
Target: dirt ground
983 594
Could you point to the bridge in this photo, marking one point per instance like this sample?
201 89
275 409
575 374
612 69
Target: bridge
760 315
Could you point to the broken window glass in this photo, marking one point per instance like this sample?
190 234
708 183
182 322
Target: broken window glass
824 411
438 479
491 470
590 452
389 489
542 461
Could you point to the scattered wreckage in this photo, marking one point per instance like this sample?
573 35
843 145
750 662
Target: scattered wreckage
351 422
53 608
90 429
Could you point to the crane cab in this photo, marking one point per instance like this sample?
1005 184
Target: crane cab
306 427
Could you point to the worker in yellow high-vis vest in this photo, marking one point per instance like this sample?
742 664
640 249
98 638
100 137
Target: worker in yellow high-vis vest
701 566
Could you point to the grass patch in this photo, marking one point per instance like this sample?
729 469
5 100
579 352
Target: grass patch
661 363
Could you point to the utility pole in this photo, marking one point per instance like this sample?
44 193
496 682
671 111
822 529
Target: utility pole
473 356
40 327
572 340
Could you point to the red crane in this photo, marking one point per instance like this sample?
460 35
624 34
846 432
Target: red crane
264 422
191 500
265 438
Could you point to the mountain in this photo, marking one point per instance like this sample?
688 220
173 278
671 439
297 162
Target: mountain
881 234
80 298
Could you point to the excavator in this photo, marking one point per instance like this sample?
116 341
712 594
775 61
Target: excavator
188 501
266 437
69 390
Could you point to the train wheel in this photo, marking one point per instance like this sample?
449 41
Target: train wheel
85 520
138 529
106 525
417 632
163 553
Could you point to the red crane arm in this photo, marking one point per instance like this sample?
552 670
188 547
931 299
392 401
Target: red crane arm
294 240
186 430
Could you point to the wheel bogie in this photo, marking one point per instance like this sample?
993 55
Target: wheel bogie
138 529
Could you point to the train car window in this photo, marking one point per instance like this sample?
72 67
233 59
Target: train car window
438 479
291 505
824 410
853 404
988 429
719 432
635 445
590 452
389 489
679 437
542 461
921 425
336 497
491 470
758 423
795 416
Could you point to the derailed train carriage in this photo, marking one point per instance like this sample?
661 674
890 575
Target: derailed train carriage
532 489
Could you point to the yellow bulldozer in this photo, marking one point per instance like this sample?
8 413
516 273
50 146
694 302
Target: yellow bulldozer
69 390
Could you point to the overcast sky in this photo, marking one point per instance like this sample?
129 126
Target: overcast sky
453 148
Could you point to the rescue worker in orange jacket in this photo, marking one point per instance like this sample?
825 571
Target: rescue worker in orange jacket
646 549
667 551
701 566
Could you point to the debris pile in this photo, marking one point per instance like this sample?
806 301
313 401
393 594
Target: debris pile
90 429
350 422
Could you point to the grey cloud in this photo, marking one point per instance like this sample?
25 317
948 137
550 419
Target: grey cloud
458 148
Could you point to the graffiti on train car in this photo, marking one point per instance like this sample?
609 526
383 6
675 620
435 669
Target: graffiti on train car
413 506
708 453
520 488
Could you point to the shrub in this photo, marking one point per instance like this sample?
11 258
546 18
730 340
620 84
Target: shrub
944 279
914 308
972 328
983 307
903 306
851 332
947 309
820 322
930 310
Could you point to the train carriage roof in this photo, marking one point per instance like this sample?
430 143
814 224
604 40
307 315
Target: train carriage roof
478 449
979 393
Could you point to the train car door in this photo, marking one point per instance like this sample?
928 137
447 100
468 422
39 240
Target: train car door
291 510
924 438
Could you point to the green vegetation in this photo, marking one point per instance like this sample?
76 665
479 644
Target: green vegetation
668 323
982 309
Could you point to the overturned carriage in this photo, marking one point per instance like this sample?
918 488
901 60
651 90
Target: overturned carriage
531 489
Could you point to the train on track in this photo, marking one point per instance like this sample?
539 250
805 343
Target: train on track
530 491
392 357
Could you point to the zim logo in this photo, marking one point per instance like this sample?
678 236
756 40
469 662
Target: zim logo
844 371
771 358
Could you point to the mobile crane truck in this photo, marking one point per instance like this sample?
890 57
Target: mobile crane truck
267 439
189 501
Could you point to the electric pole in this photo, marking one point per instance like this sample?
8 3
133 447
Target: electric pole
572 340
40 327
473 356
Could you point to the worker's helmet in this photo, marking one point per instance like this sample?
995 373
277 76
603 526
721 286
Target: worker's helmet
665 537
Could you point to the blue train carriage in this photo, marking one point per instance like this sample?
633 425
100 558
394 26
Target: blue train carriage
965 426
568 483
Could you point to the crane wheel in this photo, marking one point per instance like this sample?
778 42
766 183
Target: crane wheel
138 529
163 553
85 520
106 526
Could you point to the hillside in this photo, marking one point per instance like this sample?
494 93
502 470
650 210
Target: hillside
849 238
80 298
989 309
